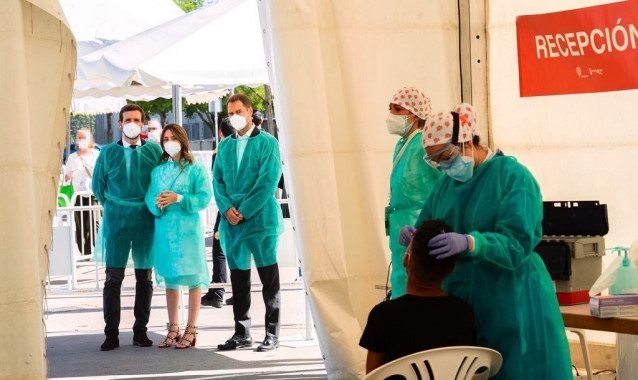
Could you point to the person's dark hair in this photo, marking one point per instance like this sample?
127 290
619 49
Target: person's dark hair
258 118
242 98
226 128
181 136
427 268
132 107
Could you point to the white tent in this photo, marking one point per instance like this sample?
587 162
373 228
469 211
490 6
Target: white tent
114 20
98 23
346 58
36 78
218 45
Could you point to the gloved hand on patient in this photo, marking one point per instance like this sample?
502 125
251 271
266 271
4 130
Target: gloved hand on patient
448 244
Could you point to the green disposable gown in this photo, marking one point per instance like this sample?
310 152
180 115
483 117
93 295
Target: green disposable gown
178 246
503 279
250 188
410 183
120 180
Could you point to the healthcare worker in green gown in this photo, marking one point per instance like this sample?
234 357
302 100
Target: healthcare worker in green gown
120 180
245 177
411 178
180 189
494 204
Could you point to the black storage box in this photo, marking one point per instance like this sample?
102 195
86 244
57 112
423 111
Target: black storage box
574 218
557 258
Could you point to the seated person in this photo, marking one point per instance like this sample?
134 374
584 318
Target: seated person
425 317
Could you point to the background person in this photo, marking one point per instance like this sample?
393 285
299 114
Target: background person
424 318
215 296
154 131
120 182
494 204
79 170
411 178
180 188
245 178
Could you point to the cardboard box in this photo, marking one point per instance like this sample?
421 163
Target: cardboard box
625 305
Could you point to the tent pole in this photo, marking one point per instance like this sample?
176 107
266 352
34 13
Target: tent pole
177 104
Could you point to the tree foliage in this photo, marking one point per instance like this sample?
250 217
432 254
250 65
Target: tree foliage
159 106
189 5
256 96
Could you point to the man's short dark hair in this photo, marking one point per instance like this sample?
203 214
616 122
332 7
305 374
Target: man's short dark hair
242 98
427 268
132 107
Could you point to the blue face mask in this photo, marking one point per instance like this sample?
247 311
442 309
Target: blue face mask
460 168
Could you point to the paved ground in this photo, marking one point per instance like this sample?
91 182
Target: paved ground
75 325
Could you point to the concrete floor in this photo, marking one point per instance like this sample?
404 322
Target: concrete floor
74 324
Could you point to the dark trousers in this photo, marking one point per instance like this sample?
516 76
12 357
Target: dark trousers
240 281
219 272
84 224
111 298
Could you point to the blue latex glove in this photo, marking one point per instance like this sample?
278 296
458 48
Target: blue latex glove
405 236
448 244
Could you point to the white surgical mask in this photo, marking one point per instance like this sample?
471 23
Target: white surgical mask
82 144
154 136
172 147
397 124
131 130
238 122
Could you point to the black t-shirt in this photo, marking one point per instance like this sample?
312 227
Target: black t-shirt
411 324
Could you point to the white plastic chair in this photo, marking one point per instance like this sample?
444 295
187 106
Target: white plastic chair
447 363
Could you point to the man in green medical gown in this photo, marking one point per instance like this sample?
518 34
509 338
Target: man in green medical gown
120 180
245 176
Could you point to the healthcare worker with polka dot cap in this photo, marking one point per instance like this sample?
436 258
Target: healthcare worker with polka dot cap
411 178
494 205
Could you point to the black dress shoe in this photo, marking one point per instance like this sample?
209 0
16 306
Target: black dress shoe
269 344
237 341
206 301
229 301
140 339
110 343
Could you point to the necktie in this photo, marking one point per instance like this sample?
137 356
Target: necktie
133 146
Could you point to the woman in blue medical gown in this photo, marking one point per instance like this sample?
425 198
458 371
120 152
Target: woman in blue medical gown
180 188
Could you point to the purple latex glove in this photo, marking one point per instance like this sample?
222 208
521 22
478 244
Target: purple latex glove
448 244
405 236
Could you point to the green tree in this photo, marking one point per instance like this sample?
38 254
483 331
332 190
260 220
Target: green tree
159 106
256 96
189 5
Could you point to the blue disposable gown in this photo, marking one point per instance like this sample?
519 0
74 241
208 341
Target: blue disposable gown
410 183
507 283
120 180
251 190
180 251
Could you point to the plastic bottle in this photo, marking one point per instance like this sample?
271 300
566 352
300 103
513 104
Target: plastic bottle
626 281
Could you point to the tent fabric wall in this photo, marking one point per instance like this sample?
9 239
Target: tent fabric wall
578 146
334 66
39 54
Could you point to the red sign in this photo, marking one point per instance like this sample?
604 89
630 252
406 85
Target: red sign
592 49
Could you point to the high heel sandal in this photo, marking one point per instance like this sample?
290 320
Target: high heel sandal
170 339
185 342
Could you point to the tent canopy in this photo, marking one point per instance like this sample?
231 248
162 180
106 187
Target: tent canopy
217 45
